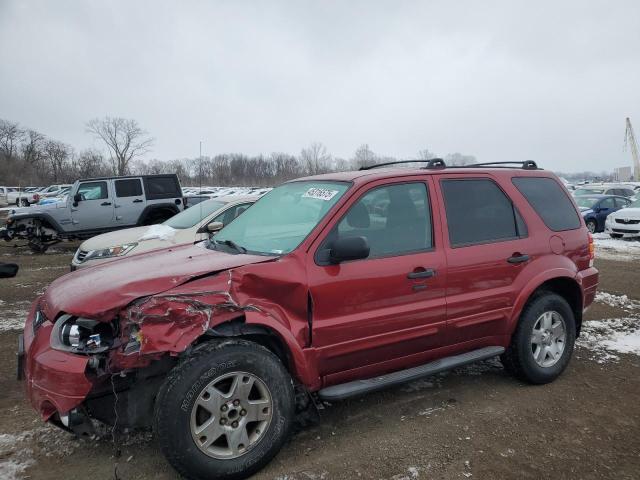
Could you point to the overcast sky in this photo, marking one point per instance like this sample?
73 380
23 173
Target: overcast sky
551 81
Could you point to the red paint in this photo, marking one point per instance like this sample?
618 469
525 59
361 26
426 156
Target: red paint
368 318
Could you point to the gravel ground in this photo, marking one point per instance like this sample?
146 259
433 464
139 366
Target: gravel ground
475 422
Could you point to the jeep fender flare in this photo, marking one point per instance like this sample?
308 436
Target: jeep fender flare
149 209
533 285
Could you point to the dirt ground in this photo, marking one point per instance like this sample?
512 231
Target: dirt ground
475 422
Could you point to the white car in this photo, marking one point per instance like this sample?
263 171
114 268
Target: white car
23 197
189 226
625 223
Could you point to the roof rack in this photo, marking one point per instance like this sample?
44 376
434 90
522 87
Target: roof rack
431 163
438 163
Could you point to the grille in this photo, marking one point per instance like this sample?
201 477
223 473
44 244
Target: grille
624 221
620 230
81 255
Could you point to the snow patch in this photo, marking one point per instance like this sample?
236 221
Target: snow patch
13 317
606 338
158 232
616 248
620 301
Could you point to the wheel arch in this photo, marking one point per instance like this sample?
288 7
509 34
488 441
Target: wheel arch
157 208
250 326
562 284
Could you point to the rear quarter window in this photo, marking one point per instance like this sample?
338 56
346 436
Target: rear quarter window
550 202
162 187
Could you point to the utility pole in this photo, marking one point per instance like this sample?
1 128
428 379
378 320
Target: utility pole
630 141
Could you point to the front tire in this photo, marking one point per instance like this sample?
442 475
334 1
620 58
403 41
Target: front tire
543 342
592 226
225 411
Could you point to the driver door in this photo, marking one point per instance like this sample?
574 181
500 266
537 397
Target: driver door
95 209
384 312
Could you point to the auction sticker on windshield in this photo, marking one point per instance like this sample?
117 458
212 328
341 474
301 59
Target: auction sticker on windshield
320 194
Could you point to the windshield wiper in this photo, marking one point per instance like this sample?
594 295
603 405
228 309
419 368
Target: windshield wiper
232 244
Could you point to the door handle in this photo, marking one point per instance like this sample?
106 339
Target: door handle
105 204
518 258
137 200
422 273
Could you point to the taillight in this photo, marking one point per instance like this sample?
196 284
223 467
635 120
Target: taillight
592 250
36 197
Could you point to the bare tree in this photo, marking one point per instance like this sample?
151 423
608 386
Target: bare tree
33 147
426 154
315 158
364 156
57 155
91 163
459 159
124 137
10 136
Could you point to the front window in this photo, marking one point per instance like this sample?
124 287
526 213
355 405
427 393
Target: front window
586 202
191 216
283 218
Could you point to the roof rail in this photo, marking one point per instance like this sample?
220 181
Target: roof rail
526 165
438 163
431 163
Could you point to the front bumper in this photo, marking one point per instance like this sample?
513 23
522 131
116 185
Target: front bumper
55 381
626 230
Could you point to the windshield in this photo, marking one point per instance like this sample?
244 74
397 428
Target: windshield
191 216
634 204
282 219
586 202
588 191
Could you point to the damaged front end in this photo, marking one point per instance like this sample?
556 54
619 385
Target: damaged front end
108 362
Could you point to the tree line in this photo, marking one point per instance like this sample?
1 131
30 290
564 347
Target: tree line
28 157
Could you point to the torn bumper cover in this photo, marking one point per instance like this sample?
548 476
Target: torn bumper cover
55 381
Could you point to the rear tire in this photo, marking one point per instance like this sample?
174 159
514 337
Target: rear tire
225 411
542 344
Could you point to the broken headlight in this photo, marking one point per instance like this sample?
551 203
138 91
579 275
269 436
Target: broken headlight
117 251
82 335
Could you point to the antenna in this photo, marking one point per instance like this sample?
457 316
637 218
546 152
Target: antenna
200 176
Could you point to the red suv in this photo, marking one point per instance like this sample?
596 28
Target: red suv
329 286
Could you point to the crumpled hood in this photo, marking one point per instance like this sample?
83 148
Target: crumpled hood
100 292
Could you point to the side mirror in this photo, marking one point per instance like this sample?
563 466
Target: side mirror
214 227
77 198
8 270
349 248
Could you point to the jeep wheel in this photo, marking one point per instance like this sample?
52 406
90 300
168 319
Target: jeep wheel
542 345
225 411
592 226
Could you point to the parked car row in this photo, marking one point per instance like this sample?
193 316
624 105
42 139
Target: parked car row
25 196
326 288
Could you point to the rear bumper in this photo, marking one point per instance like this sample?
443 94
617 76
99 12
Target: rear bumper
54 381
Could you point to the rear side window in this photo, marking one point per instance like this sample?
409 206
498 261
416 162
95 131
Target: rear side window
128 188
162 187
478 211
550 202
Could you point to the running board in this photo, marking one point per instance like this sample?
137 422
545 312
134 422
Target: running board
359 387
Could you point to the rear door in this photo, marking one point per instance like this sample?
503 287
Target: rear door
95 209
129 200
384 312
487 247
